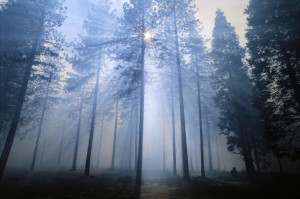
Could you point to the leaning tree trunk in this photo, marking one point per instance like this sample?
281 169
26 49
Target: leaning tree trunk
14 124
115 137
40 125
200 122
173 132
209 144
185 162
89 150
77 137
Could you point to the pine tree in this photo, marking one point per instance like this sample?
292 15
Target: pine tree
273 43
232 83
42 17
132 53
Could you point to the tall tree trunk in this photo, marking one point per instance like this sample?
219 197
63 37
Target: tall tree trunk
185 162
141 125
100 142
200 122
173 132
77 137
130 141
191 153
89 150
217 148
115 137
14 124
222 153
61 144
256 158
164 146
209 144
248 159
136 139
280 165
40 125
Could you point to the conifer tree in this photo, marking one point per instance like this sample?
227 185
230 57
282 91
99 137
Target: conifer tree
273 44
232 83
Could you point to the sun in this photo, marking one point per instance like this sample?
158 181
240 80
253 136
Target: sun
147 35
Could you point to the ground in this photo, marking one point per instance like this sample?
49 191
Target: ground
108 184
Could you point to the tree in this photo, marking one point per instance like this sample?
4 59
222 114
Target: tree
273 44
89 57
132 52
232 83
43 17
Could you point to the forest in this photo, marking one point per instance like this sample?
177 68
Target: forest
149 99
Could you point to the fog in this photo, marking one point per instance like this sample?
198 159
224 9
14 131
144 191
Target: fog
144 92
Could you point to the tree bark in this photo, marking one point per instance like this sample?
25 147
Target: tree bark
136 139
77 137
14 124
61 144
141 125
248 159
40 125
200 122
89 150
115 137
100 142
185 163
130 142
164 146
217 148
173 132
280 165
256 158
209 144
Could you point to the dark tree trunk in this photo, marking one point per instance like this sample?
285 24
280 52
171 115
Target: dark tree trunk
89 150
136 139
200 122
14 124
141 125
100 142
164 146
173 132
115 137
256 158
185 162
130 141
248 159
61 144
77 137
280 165
217 148
40 125
209 144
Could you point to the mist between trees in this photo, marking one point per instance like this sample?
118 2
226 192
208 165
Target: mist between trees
139 90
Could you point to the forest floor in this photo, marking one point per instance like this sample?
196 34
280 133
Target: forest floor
114 185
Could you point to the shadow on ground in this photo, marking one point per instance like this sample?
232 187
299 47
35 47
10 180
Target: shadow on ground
107 184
